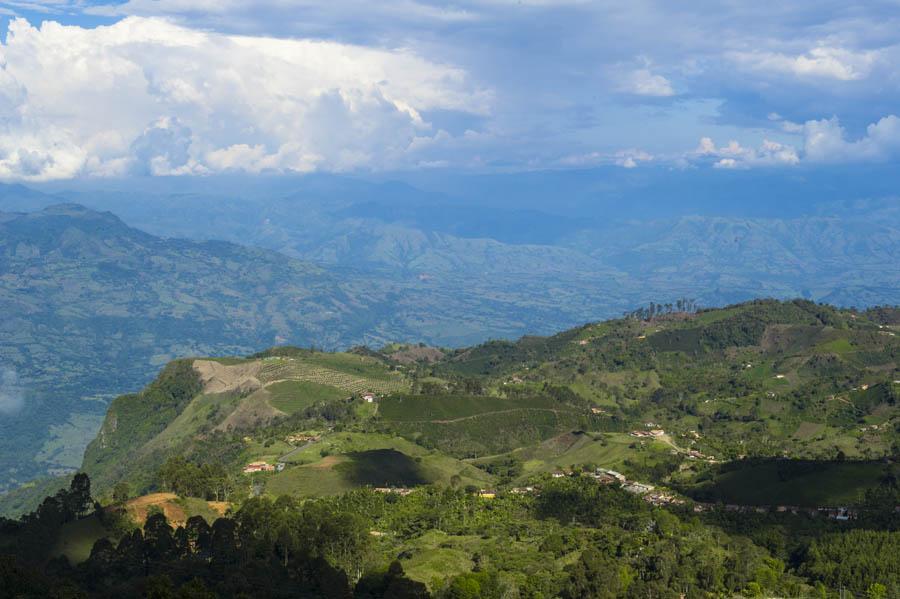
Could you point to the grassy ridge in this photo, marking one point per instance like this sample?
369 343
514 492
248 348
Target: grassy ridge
347 372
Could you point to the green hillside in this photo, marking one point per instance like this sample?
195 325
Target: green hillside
763 380
721 443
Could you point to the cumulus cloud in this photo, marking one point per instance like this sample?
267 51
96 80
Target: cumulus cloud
630 158
643 82
12 395
826 140
145 95
822 141
820 62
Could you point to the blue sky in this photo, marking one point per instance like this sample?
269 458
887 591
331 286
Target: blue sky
192 87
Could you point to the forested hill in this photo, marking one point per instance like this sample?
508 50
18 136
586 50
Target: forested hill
764 379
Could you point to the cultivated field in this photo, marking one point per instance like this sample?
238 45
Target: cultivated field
347 372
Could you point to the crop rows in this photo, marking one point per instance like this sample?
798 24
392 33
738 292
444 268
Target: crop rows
302 371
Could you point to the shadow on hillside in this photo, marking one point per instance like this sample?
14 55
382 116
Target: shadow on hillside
382 468
807 483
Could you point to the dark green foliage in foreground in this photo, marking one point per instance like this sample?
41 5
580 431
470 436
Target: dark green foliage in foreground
31 536
854 559
574 539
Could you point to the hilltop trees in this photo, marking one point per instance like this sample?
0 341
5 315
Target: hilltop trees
654 310
208 481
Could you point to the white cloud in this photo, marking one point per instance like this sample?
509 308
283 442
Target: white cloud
820 62
823 141
151 96
631 157
643 82
734 155
826 141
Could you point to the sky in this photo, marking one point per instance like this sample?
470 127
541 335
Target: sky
198 87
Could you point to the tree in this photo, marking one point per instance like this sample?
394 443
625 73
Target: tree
158 539
78 501
121 492
593 575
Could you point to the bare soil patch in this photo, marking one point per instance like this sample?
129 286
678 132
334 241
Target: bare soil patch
328 462
219 378
219 507
412 354
253 410
138 508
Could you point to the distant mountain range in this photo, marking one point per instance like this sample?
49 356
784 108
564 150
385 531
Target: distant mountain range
94 306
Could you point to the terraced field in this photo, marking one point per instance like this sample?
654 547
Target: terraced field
293 396
352 374
470 426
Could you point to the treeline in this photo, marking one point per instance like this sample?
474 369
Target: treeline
30 536
209 481
654 310
855 559
270 548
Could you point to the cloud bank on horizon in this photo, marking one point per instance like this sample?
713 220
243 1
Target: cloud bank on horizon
179 87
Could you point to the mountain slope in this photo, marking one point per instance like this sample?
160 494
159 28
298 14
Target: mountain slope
92 306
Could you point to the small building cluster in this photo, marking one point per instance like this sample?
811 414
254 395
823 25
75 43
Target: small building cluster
662 498
369 397
693 454
259 467
298 439
638 488
604 476
649 492
402 491
841 514
656 432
